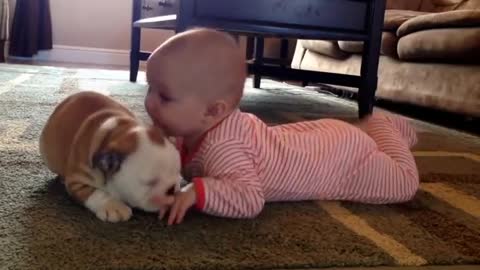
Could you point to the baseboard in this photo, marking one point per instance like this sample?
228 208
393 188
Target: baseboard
82 55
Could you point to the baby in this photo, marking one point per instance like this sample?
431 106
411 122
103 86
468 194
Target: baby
236 163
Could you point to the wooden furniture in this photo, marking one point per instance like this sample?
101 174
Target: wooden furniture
255 53
154 14
162 14
359 20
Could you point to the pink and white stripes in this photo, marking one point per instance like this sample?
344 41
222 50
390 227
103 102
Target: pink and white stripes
243 163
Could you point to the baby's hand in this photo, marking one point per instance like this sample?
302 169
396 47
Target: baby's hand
163 202
184 200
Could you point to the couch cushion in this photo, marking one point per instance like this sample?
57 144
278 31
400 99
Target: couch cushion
388 46
457 18
457 45
450 87
404 4
469 4
395 17
351 46
448 5
325 47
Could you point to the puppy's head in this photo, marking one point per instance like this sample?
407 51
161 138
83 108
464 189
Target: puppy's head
137 162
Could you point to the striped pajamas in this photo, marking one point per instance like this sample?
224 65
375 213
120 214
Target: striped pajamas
242 163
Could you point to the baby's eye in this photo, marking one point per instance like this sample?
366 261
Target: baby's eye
165 98
171 190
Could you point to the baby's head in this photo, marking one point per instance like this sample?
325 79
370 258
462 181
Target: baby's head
196 78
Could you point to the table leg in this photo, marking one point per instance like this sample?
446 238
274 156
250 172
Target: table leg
259 46
135 41
370 59
2 51
283 50
250 48
135 53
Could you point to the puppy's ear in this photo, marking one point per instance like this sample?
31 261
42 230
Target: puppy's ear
108 162
157 135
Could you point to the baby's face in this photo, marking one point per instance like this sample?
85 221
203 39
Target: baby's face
190 78
175 110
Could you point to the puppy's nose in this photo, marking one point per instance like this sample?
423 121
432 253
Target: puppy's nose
171 190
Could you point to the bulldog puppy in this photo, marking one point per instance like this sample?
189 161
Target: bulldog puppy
107 159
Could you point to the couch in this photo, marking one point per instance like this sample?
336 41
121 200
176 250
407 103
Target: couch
430 55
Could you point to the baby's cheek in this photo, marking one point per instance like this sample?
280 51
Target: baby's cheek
148 101
150 107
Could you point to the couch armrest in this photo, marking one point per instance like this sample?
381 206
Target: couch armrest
457 18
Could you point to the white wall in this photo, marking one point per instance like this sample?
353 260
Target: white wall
97 24
100 25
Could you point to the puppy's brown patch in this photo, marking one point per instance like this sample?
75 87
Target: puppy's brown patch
156 135
122 140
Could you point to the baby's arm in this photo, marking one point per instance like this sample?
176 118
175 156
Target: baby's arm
232 187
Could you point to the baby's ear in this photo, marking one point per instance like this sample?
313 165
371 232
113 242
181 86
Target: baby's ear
217 109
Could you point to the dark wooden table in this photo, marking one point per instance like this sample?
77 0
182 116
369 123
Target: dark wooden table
356 20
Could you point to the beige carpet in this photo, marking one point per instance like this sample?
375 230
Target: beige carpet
41 228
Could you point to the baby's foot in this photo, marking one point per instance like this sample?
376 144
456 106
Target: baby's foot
399 123
405 128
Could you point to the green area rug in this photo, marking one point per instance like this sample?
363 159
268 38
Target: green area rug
41 228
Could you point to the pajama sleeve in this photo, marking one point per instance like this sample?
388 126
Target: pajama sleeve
231 187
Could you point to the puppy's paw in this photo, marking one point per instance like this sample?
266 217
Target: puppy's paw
107 208
114 211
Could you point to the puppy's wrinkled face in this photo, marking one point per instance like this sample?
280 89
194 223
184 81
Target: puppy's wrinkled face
150 164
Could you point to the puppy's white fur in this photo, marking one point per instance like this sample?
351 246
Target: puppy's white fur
132 185
152 166
149 163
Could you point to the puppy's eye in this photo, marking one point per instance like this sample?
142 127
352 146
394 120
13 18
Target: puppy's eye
152 182
171 191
